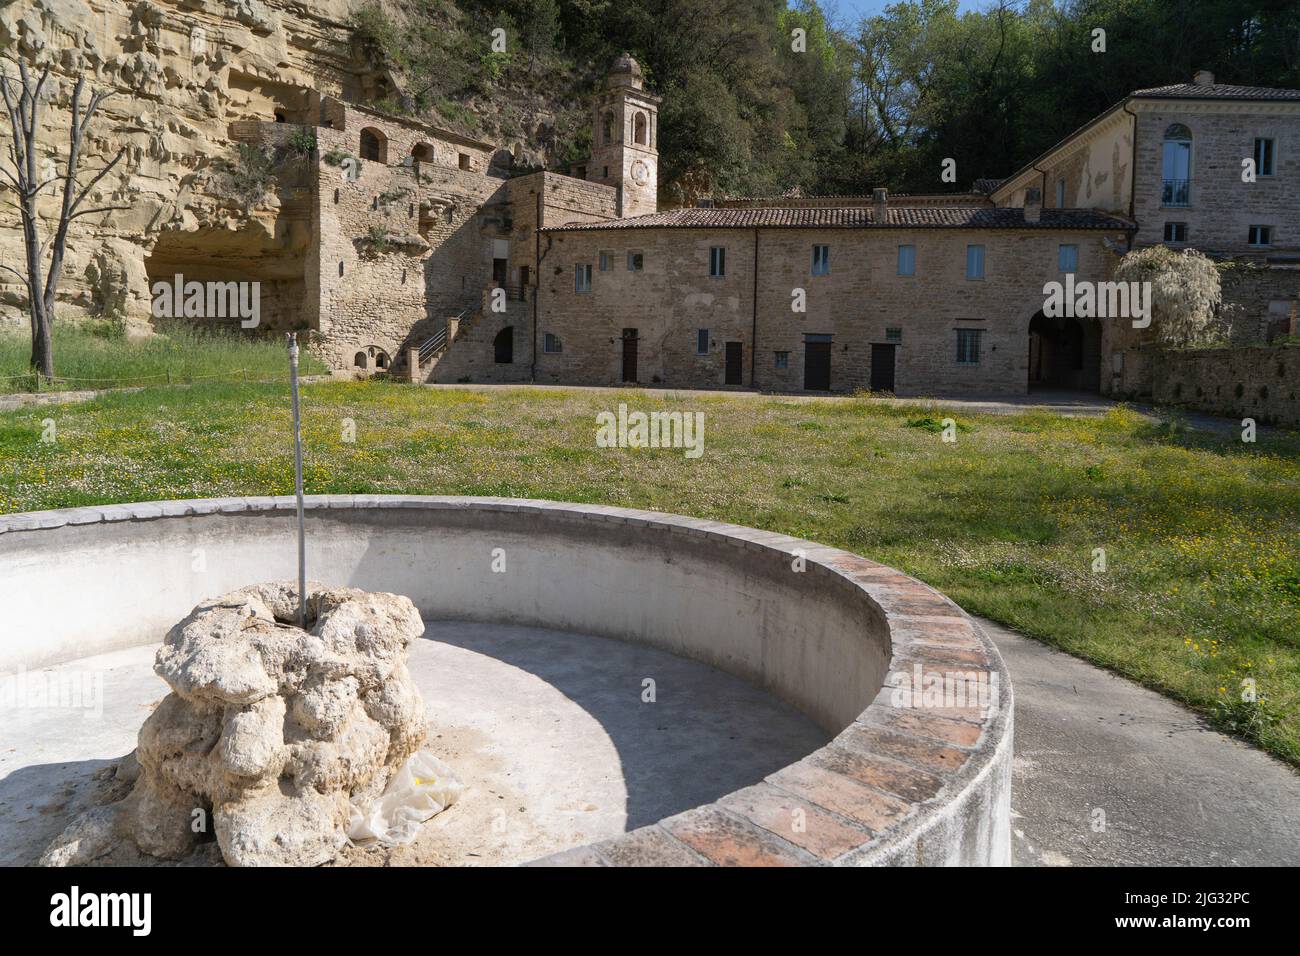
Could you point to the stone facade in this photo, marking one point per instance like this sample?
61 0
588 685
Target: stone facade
861 302
1117 163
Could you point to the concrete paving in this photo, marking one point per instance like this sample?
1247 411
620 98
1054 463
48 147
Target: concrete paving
1171 791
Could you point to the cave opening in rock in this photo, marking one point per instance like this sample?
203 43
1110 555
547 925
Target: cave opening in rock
273 258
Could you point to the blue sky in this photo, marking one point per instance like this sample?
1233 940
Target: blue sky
854 10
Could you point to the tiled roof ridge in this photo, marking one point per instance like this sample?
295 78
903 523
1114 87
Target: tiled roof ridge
973 216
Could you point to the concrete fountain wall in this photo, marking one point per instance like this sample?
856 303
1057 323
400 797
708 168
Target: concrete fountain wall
829 632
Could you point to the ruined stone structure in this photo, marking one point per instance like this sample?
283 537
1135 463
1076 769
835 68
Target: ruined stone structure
430 255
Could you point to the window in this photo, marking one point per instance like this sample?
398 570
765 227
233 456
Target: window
373 145
907 260
582 278
968 346
1067 257
821 260
717 261
606 261
1263 157
1060 194
551 343
639 129
974 262
1260 236
702 342
635 261
893 335
1177 166
1175 232
464 161
782 359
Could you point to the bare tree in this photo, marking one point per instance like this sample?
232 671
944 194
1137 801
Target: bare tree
22 101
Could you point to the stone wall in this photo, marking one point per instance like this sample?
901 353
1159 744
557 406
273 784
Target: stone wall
1253 382
856 304
1221 207
435 257
471 357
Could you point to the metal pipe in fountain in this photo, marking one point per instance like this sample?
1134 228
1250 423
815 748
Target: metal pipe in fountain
297 479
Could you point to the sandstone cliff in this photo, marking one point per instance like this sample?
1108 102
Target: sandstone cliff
182 73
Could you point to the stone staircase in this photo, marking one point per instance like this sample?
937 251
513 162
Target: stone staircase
424 349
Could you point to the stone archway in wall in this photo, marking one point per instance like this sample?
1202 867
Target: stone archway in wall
503 346
1064 353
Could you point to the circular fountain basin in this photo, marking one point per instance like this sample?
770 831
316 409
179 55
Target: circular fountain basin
617 687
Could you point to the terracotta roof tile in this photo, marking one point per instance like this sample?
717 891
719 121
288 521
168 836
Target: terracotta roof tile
1219 91
855 217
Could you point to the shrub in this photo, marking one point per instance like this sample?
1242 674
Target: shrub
248 176
1185 294
302 141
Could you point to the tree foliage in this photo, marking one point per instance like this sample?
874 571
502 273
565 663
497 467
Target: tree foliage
881 101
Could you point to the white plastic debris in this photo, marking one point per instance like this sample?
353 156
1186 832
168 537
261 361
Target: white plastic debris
421 788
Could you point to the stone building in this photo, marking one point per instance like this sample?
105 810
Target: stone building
1178 161
580 279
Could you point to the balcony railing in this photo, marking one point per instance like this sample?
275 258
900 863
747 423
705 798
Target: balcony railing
1176 192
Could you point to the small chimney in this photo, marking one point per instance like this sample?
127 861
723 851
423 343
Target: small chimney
1203 78
880 205
1033 203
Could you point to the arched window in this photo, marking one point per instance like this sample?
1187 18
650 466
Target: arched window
374 145
381 360
639 129
422 153
359 360
1176 166
607 128
503 346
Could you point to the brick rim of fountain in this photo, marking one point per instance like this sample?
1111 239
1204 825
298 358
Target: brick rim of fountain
897 786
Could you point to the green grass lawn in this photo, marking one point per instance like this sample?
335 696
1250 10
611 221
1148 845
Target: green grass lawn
90 356
1201 532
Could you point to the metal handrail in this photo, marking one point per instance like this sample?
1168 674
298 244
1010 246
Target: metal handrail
437 341
1176 192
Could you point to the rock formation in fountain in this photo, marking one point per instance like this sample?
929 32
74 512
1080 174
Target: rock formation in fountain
269 736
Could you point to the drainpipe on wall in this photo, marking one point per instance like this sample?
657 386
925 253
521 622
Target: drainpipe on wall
1133 172
753 335
1043 189
537 279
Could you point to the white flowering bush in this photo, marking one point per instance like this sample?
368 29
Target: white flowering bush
1185 294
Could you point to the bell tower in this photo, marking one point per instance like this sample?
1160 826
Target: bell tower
625 139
